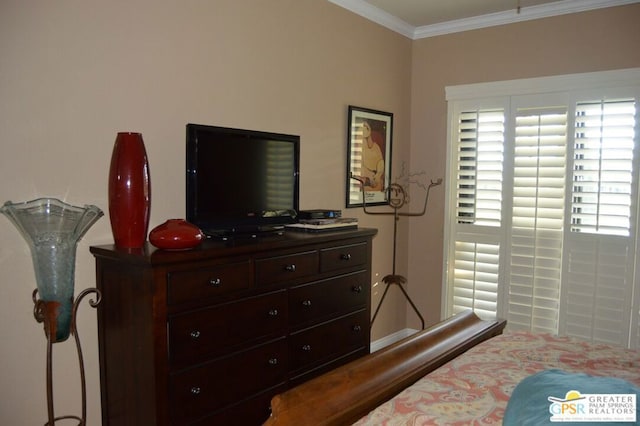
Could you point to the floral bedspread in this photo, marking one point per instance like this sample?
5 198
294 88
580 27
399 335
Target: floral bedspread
474 388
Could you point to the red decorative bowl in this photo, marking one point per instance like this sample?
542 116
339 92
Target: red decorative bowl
176 234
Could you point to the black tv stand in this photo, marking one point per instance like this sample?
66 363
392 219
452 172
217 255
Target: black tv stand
242 233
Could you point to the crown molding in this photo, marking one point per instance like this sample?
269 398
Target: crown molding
377 15
512 16
563 7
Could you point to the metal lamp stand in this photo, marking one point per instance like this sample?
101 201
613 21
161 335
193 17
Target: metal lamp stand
397 198
46 312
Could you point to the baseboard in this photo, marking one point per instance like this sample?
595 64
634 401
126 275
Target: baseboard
391 338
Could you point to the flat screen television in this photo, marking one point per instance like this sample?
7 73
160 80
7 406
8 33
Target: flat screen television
241 182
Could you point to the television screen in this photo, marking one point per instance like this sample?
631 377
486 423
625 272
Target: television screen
241 181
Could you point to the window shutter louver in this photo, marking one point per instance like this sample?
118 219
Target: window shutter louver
480 158
599 289
600 249
480 146
537 220
602 172
560 158
476 278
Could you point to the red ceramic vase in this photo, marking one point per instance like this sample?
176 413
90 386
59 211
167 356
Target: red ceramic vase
129 191
176 234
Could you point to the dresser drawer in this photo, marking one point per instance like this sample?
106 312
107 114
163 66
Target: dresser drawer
210 387
321 300
194 284
341 257
322 343
279 269
202 334
186 336
334 363
254 411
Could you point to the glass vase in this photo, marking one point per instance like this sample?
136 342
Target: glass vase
52 229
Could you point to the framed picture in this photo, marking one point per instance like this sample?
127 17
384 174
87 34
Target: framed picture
368 156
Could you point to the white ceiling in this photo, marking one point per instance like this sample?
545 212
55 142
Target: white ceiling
428 12
425 18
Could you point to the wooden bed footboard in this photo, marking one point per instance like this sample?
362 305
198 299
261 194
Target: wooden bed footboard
344 395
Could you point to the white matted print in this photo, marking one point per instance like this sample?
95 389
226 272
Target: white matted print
369 136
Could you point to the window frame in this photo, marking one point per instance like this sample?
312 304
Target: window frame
506 94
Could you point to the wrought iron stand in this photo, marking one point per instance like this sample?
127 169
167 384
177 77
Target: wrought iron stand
397 198
46 312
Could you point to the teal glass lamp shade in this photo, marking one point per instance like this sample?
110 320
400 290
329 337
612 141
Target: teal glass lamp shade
52 229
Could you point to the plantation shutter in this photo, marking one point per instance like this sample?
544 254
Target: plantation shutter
480 158
603 167
562 164
476 277
479 153
538 218
600 248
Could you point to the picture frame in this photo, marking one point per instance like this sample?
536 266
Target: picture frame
369 142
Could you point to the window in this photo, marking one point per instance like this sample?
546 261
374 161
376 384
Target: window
479 161
602 171
542 204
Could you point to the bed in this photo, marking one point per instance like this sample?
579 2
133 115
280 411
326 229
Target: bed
461 371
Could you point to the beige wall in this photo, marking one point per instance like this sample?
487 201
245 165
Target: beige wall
73 73
584 42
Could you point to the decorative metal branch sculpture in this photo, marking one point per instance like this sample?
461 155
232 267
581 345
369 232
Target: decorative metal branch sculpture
398 197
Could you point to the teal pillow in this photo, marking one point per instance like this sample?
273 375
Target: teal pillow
536 398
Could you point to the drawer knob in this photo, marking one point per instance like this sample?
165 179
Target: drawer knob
306 348
345 256
273 361
196 390
290 268
357 328
273 312
306 303
215 282
356 289
195 334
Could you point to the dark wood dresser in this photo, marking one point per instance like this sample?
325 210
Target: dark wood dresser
208 336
